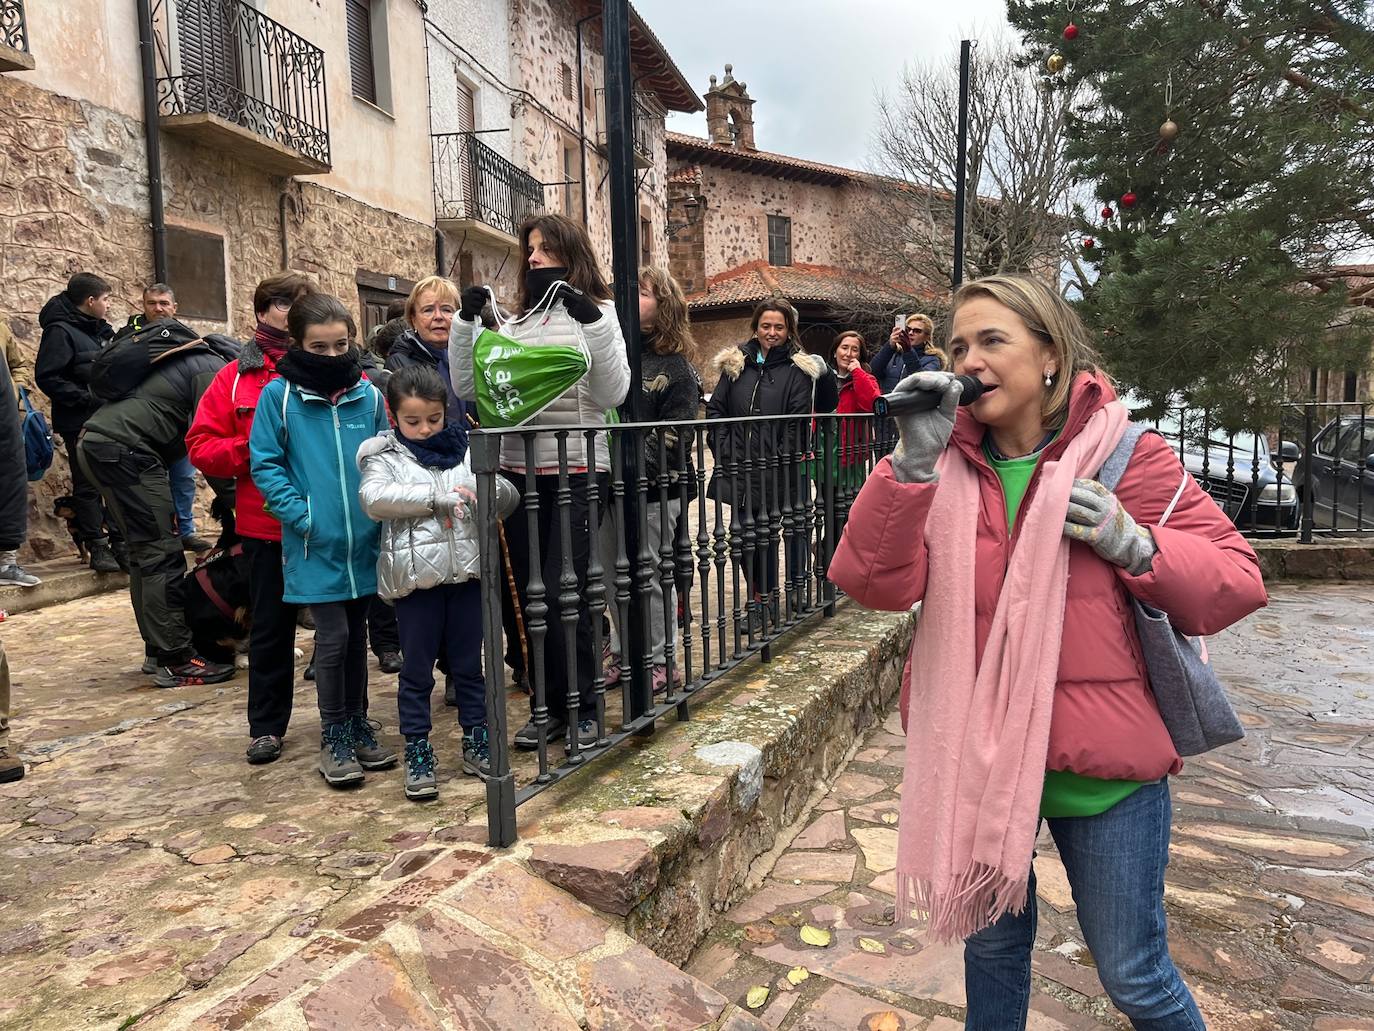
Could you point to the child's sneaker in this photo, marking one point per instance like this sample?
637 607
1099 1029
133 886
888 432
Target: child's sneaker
477 751
658 678
610 665
371 753
338 762
421 784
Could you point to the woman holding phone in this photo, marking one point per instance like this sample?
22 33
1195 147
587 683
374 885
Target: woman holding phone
910 348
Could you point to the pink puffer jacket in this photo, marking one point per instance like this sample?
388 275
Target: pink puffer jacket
1205 576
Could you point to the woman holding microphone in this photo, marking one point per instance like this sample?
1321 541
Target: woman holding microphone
1026 681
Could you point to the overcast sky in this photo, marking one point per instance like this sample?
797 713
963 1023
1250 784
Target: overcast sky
813 66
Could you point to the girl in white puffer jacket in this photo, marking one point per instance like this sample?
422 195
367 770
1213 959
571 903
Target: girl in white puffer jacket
416 482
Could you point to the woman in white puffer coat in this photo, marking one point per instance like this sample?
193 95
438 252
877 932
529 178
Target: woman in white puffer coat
557 251
416 482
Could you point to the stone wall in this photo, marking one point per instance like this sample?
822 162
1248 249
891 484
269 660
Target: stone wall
74 196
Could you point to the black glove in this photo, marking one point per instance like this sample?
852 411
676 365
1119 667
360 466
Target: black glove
581 307
474 300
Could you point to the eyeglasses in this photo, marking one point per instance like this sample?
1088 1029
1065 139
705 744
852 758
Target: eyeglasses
282 303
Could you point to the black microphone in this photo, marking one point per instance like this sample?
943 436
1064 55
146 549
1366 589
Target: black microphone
911 401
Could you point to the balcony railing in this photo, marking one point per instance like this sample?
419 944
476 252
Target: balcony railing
14 37
642 130
225 60
473 183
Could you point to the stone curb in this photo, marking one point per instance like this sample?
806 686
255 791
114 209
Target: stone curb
58 588
664 836
1350 559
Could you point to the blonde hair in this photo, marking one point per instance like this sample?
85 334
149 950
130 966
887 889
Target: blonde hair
1050 319
673 330
932 347
440 285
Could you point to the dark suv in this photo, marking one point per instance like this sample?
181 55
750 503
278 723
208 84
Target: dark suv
1340 474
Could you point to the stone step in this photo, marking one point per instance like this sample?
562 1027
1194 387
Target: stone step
63 580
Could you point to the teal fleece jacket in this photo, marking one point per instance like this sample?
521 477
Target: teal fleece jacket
303 452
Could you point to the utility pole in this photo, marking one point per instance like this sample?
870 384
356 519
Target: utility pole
961 172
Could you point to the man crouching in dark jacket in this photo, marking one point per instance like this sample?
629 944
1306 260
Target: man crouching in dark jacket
126 450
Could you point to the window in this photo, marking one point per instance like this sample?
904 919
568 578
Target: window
1357 442
1352 385
646 249
359 17
199 280
565 73
572 195
779 240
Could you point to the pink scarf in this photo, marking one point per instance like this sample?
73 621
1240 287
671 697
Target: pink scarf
977 736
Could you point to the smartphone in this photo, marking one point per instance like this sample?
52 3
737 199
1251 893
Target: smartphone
900 322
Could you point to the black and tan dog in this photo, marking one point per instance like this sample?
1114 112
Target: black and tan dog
216 594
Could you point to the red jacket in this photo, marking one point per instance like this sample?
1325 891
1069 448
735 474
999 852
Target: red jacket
217 441
1205 576
857 394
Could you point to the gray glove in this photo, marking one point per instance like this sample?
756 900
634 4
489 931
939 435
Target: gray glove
1097 519
924 434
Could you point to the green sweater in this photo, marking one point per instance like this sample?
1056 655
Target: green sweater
1066 793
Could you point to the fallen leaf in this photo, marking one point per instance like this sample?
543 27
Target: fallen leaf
872 945
815 936
798 974
885 1021
760 935
757 996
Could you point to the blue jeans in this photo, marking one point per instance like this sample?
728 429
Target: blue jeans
183 476
1115 864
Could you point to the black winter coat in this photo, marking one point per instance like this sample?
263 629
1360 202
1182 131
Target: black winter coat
14 468
71 340
672 393
783 381
409 350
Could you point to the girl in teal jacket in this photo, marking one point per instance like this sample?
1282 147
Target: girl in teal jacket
303 449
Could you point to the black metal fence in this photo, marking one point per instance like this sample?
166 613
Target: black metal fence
1308 477
224 58
704 543
473 181
13 32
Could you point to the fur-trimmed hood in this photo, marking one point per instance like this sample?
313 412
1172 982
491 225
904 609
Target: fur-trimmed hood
731 360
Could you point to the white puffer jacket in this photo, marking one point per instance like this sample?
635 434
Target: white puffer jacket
605 385
419 550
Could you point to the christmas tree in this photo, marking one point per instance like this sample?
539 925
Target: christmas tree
1230 144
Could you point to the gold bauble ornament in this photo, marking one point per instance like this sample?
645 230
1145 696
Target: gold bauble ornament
1055 63
1168 132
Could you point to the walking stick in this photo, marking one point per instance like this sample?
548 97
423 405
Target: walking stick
514 594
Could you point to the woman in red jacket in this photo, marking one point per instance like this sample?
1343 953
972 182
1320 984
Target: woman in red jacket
217 444
1029 691
858 390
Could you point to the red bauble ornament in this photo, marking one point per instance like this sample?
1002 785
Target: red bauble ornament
1107 213
1089 243
1128 199
1071 32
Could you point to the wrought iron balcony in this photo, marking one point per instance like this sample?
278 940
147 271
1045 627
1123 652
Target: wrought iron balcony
14 38
477 190
642 130
229 76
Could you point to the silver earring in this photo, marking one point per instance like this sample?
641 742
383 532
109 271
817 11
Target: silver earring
1049 380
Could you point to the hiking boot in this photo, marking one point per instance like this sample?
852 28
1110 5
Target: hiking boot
194 670
611 666
149 667
310 666
477 751
264 749
15 575
586 736
103 557
196 543
11 766
527 737
389 662
450 691
338 761
421 784
372 754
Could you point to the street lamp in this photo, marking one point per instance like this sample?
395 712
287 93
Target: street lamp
692 207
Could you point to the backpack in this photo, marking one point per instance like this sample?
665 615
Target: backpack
124 363
38 448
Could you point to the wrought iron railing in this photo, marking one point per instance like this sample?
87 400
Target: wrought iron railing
637 588
642 130
224 58
13 32
473 181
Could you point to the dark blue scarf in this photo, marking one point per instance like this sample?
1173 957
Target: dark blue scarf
443 450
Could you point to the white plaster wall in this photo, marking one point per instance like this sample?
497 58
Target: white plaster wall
469 40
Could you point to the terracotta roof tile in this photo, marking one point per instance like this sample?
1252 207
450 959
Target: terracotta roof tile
690 175
687 147
751 283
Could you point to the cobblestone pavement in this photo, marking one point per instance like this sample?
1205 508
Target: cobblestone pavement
1269 892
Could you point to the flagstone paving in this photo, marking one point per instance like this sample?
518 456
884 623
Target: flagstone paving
1270 896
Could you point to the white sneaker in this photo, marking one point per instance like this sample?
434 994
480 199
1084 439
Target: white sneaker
13 575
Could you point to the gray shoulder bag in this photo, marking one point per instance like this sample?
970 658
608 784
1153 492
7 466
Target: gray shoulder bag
1191 699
